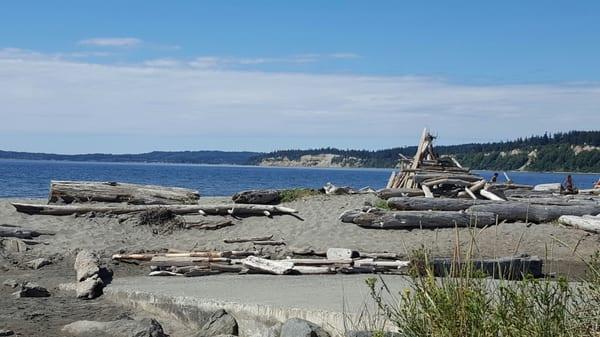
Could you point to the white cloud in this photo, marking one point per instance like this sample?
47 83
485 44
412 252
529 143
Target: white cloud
344 56
162 99
111 42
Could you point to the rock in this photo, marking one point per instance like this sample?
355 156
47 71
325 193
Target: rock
264 197
38 263
30 289
341 254
86 265
6 333
10 283
13 245
89 288
219 323
296 327
330 188
371 334
121 328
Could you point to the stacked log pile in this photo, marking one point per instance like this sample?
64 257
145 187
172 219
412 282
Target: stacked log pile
432 175
336 260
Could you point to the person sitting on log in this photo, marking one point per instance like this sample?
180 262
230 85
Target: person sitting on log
494 178
597 184
568 186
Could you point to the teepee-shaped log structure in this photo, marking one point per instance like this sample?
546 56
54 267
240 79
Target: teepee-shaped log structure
435 175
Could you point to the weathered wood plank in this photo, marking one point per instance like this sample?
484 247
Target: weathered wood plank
86 191
422 219
240 209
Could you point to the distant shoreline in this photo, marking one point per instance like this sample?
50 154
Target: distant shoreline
267 167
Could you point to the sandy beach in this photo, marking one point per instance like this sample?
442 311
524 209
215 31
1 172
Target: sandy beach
316 227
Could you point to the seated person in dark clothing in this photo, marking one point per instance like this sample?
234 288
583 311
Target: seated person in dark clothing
494 178
568 186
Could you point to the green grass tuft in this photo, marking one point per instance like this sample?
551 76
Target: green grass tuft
380 203
296 194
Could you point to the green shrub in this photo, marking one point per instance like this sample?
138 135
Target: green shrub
296 194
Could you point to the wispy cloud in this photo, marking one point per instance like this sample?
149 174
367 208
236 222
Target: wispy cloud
344 56
235 62
111 42
40 93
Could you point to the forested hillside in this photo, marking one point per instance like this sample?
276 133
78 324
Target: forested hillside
570 151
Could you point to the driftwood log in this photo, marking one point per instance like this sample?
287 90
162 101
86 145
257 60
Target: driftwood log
263 197
241 240
387 193
237 209
268 266
586 223
434 204
518 211
421 219
85 191
20 233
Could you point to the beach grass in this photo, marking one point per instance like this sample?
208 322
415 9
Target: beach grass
467 304
296 194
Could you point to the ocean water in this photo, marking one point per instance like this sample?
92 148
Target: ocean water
31 178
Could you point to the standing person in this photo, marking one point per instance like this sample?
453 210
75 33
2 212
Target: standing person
569 186
494 178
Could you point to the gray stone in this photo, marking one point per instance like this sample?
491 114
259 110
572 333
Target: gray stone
6 333
89 288
86 265
219 323
371 333
10 283
296 327
38 263
13 245
30 289
121 328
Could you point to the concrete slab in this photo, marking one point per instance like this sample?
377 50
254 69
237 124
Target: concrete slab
260 303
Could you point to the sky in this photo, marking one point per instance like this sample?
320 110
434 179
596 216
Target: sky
137 76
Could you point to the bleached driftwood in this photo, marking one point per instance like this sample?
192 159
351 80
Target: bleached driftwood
239 209
399 192
421 219
86 191
341 254
210 254
241 240
427 191
553 187
309 270
434 204
490 195
268 266
519 211
381 264
319 262
586 223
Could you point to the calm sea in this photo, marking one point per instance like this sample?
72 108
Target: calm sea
25 178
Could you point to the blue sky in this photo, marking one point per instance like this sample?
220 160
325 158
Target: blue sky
131 76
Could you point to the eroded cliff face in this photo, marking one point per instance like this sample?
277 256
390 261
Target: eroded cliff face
319 160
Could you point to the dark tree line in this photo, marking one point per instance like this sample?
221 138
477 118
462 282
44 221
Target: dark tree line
553 152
